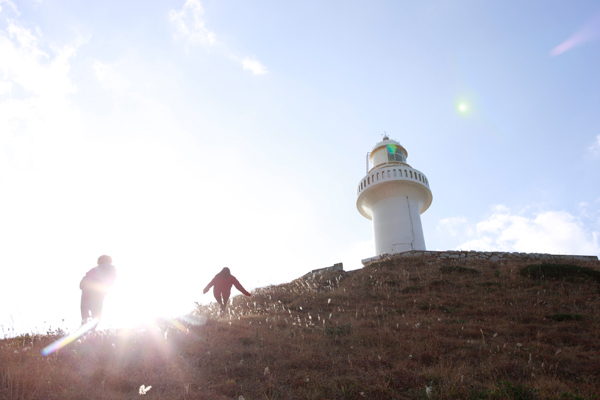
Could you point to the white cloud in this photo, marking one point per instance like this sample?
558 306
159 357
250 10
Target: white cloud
34 89
5 87
451 226
595 147
110 78
190 24
556 232
10 4
591 212
253 65
26 64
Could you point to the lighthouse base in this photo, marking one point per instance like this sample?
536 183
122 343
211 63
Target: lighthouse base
397 225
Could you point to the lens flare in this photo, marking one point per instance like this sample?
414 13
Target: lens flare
589 32
462 107
63 341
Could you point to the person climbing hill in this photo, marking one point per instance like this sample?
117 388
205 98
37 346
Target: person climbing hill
222 283
94 287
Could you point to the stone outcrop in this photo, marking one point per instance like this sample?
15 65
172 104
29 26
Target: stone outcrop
335 267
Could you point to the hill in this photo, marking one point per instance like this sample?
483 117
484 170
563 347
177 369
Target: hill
403 328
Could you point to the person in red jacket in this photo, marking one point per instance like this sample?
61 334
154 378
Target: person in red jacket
94 287
222 283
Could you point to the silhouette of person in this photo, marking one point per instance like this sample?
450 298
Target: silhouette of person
94 287
222 283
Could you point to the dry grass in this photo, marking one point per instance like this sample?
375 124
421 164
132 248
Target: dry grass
399 329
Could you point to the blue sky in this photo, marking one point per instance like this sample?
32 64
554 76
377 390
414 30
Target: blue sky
181 137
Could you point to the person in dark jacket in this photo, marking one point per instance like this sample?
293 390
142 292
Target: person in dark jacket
94 287
222 283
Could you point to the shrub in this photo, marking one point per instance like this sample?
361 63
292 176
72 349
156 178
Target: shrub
490 284
412 289
565 317
340 330
448 308
518 391
558 271
440 282
460 270
575 396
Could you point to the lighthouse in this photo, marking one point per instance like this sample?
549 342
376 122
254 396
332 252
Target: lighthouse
393 195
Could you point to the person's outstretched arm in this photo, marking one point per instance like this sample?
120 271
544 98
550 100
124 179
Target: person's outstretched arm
207 288
239 287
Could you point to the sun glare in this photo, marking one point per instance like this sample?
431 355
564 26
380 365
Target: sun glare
128 309
463 107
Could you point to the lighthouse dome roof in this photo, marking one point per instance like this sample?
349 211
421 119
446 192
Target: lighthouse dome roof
389 142
386 141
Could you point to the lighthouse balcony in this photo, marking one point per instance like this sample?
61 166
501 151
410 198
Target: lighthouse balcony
392 174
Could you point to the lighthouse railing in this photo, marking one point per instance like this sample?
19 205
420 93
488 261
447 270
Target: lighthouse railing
391 174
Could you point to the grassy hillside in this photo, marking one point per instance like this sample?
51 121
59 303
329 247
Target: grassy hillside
397 329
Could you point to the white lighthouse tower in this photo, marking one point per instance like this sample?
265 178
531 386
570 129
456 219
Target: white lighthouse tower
393 195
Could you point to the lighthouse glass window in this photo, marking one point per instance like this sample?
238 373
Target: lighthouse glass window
394 154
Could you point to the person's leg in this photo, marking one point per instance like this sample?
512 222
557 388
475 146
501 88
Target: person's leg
85 307
225 300
222 302
219 298
96 304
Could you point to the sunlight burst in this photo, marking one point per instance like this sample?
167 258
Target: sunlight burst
463 107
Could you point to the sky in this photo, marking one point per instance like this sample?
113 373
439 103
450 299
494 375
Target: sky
184 136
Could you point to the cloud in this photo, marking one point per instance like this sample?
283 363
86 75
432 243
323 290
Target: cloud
10 4
190 24
591 212
110 78
5 87
451 226
34 70
34 94
595 147
253 65
555 232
